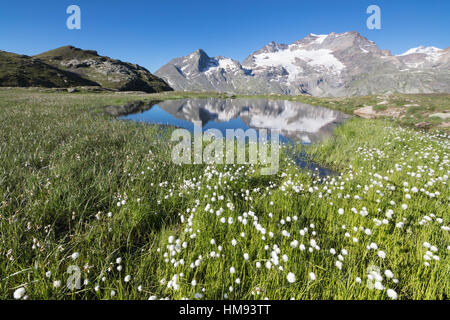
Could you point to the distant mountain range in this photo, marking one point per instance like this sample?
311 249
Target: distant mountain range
344 64
334 65
70 67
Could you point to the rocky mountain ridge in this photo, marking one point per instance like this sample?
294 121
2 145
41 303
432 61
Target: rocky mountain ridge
336 65
69 66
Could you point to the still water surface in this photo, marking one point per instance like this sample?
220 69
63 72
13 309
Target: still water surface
297 122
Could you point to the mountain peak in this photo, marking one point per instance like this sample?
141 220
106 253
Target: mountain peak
68 51
200 51
422 50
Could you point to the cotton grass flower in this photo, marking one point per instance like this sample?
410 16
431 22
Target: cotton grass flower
312 276
75 255
291 277
392 294
19 293
378 285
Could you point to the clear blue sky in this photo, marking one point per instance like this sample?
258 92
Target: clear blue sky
150 32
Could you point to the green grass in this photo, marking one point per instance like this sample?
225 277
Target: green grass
24 71
64 165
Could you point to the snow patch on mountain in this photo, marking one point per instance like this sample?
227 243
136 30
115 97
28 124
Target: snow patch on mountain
287 59
422 49
226 64
320 37
432 53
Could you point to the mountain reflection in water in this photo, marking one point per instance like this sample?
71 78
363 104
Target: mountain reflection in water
297 122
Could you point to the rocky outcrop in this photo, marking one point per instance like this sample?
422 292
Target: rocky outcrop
368 112
106 72
24 71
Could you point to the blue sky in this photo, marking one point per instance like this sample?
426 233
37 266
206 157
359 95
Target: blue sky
150 32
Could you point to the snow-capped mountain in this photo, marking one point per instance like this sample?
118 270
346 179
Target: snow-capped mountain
199 71
424 57
321 65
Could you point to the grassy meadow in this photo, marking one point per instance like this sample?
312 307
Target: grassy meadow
86 197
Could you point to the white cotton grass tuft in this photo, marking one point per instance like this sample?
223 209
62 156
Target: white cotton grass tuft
312 276
75 255
291 277
19 293
379 285
388 273
392 294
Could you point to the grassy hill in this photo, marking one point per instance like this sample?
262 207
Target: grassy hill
24 71
109 73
